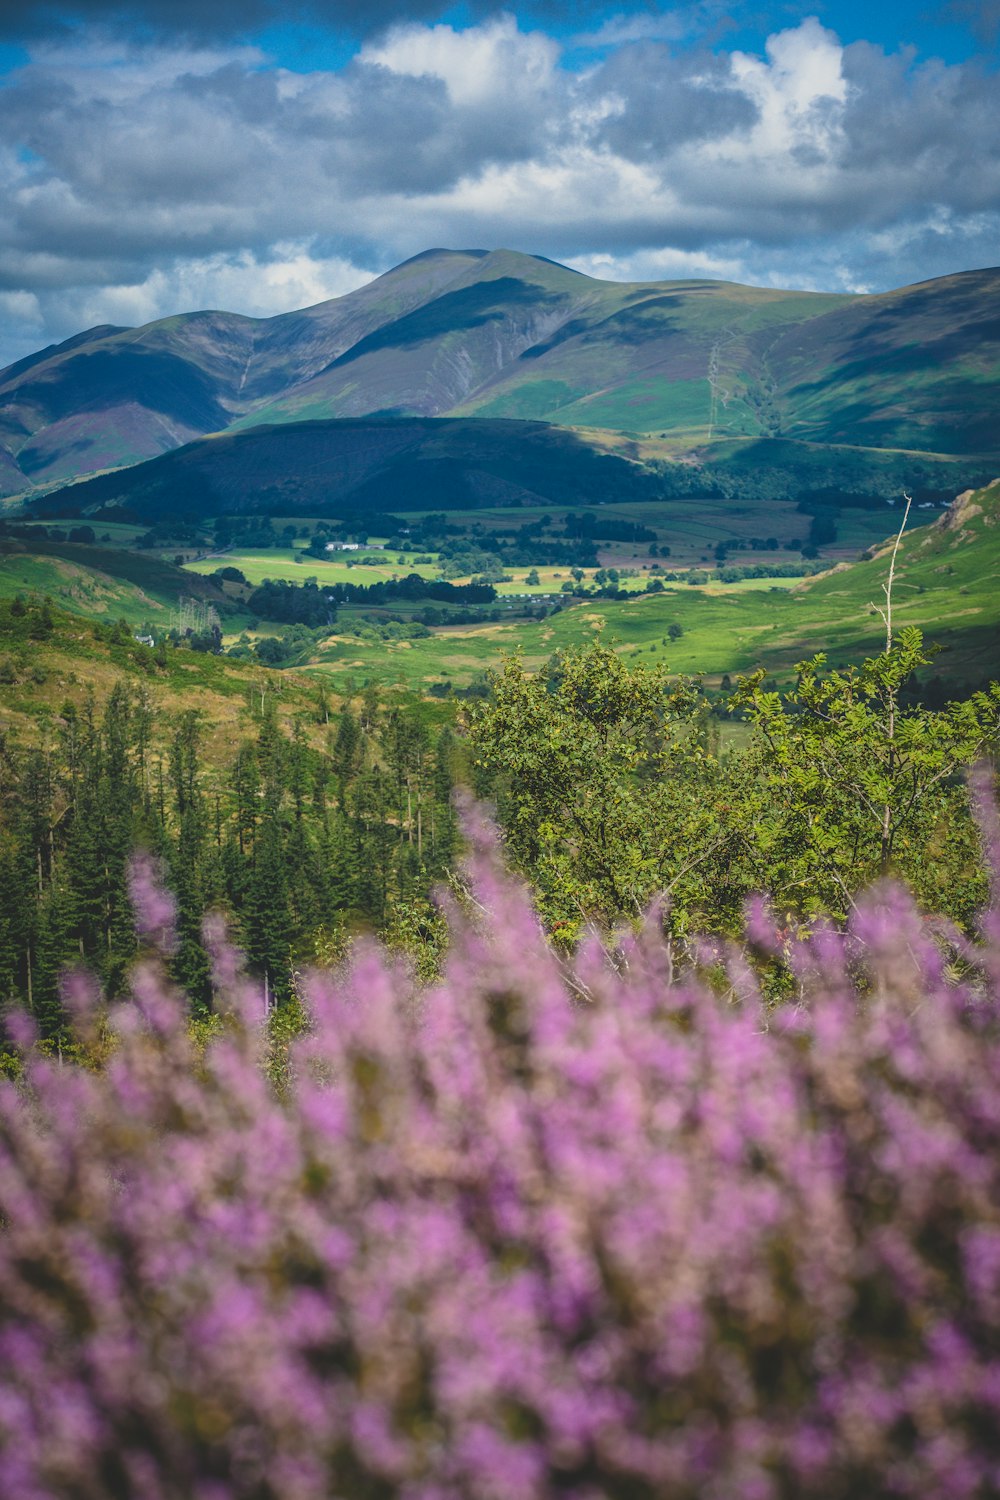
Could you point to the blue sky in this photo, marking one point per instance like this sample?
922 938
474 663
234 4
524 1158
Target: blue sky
162 155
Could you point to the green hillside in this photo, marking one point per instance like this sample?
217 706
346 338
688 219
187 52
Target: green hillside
516 337
41 670
503 336
370 467
115 396
365 467
108 583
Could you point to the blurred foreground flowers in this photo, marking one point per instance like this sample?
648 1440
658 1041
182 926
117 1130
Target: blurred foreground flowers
530 1231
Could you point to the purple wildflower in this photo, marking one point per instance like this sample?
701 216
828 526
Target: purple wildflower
154 907
588 1229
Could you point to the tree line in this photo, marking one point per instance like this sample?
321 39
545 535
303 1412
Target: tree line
312 605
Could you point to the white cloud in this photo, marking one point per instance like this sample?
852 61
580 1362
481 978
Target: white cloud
799 92
618 31
477 65
138 181
294 278
660 265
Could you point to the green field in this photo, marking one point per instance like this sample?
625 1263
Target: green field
692 527
296 565
82 591
948 583
104 581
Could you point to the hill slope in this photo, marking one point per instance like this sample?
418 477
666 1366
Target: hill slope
110 583
364 467
368 467
115 396
506 335
75 659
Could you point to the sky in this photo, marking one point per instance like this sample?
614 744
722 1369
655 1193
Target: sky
158 156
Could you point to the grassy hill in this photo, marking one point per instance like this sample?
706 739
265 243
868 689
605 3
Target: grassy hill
365 467
370 467
107 582
503 335
40 672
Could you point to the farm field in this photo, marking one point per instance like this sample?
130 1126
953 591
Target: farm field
690 529
287 564
111 533
947 586
295 565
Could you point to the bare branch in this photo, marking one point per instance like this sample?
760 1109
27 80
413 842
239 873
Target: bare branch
887 587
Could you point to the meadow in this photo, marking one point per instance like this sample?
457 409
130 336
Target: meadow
84 590
944 585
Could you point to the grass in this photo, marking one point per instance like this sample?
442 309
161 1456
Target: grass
691 527
295 565
76 660
948 583
81 590
109 582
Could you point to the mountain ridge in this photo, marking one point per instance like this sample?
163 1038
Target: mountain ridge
501 334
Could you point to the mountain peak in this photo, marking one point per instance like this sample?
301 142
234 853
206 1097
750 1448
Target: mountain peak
439 252
503 334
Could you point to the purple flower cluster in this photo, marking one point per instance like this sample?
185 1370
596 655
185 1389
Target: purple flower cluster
535 1230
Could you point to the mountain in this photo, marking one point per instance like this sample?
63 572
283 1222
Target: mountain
114 396
503 335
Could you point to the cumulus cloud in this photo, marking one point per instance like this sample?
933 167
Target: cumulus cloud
292 277
494 63
142 177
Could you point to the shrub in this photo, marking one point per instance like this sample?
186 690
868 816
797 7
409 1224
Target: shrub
539 1228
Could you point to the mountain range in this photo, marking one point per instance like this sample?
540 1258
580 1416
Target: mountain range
507 338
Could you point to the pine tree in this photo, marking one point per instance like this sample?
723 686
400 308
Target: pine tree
346 751
190 964
267 920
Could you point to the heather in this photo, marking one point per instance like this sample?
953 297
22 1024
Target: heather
591 1228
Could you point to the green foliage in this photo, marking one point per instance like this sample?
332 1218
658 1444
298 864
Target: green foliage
608 792
611 790
300 847
861 785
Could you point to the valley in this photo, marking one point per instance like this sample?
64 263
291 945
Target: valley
947 583
483 452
